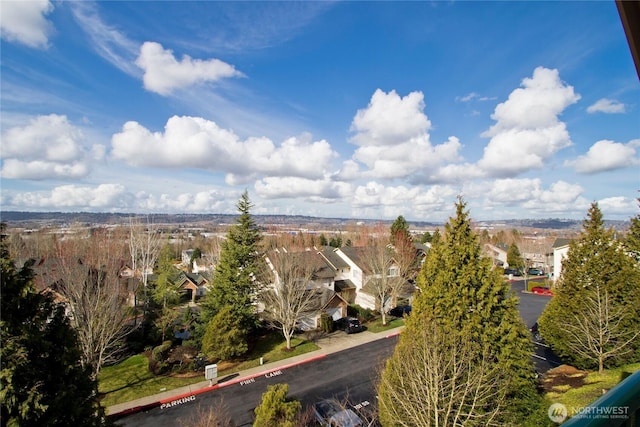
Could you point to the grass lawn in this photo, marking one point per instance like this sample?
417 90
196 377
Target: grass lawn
131 379
377 326
588 386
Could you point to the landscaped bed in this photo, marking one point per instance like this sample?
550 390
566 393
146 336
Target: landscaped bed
131 378
577 389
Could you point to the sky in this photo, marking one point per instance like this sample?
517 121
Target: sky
350 109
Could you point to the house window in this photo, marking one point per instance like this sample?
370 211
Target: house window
393 272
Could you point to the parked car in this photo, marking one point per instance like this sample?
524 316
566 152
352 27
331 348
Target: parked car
513 271
400 311
348 324
535 333
535 272
330 413
541 290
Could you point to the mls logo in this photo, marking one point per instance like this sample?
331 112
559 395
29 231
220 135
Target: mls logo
557 412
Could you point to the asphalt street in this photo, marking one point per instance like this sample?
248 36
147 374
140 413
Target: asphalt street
347 376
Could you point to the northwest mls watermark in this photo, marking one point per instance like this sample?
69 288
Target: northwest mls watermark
558 412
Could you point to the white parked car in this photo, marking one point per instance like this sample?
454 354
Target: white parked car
330 413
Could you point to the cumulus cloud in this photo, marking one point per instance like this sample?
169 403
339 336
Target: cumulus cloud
604 105
527 130
104 196
24 22
374 198
617 205
606 155
48 147
163 73
559 198
193 142
393 139
390 119
294 187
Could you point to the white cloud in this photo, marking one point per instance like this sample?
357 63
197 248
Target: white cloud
193 142
375 200
527 130
617 205
561 198
393 139
104 196
24 22
604 156
604 105
110 43
390 119
163 73
48 147
293 187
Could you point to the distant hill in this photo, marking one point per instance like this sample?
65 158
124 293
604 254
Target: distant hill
58 219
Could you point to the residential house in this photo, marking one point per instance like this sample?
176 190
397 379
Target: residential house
560 251
356 275
321 283
497 253
193 285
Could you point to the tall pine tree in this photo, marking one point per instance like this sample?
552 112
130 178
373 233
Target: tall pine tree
597 298
462 294
233 284
42 380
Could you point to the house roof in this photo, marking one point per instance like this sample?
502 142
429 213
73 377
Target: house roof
560 242
334 260
343 285
321 268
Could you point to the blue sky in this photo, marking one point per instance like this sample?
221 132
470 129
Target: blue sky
330 109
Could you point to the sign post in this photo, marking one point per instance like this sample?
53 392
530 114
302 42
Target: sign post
211 373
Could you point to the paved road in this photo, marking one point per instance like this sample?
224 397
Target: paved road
530 307
348 376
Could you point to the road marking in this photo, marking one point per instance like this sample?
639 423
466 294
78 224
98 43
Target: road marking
541 344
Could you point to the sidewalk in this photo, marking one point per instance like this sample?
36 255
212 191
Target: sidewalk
331 343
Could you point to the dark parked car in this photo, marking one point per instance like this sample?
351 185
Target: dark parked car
535 332
330 413
348 324
400 311
513 271
535 272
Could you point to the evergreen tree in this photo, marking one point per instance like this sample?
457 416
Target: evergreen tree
225 337
632 240
275 409
42 381
399 230
233 284
514 258
464 295
165 292
597 297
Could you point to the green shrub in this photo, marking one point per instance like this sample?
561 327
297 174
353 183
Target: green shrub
161 352
361 313
326 323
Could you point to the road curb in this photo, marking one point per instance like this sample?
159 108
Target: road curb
161 402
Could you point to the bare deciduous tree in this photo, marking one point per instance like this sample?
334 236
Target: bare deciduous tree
598 332
383 278
145 243
87 276
144 246
289 293
442 379
215 415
